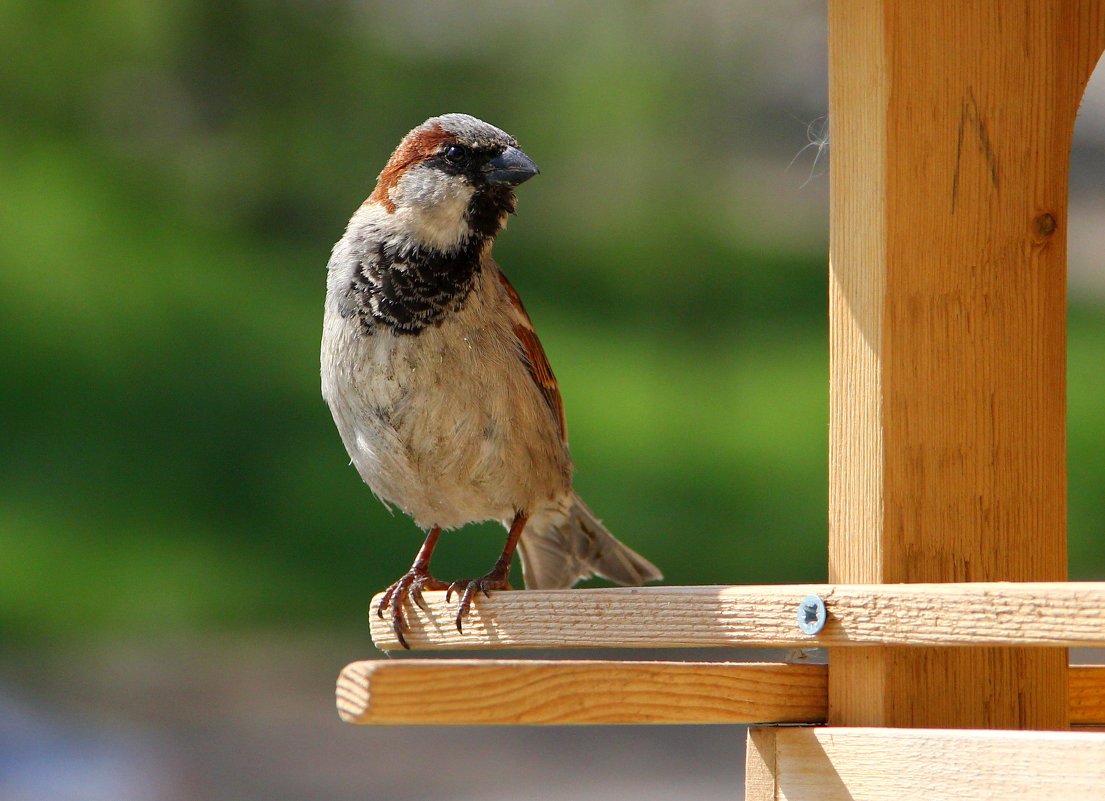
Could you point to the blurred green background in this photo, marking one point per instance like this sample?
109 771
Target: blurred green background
186 556
172 176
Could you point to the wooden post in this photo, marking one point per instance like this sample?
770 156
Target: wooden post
951 129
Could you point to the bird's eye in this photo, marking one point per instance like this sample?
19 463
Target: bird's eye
455 154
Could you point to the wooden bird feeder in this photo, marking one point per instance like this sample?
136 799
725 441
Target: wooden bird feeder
948 615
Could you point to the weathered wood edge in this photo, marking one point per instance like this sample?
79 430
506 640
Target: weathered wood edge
964 614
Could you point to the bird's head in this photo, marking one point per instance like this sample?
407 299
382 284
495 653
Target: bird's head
452 180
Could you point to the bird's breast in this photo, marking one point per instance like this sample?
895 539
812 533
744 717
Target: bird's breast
446 423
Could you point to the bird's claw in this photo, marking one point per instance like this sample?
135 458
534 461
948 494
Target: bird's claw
410 586
420 602
466 589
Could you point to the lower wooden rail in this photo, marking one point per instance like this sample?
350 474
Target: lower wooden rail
536 692
846 764
980 613
504 691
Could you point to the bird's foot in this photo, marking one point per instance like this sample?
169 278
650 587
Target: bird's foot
467 589
409 586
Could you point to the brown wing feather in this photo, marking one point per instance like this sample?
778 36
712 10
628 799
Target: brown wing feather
535 358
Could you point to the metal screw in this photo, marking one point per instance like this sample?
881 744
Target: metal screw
811 615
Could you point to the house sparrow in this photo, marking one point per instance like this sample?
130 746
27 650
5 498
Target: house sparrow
435 377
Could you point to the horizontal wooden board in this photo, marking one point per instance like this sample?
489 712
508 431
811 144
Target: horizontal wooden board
846 764
535 692
531 692
992 613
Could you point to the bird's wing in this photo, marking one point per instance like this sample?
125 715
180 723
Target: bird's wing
534 356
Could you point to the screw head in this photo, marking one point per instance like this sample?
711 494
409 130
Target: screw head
811 615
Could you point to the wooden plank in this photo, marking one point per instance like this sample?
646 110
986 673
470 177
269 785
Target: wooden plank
863 764
1087 695
971 614
759 765
501 691
512 692
951 128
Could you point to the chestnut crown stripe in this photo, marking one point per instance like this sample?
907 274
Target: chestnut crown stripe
419 146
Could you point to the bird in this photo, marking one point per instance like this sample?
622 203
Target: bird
437 382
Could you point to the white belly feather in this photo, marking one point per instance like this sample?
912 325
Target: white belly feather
446 424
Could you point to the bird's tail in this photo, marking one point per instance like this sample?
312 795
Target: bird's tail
563 544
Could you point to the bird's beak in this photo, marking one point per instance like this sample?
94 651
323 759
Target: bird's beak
510 168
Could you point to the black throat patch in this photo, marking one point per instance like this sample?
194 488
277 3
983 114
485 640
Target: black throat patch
409 288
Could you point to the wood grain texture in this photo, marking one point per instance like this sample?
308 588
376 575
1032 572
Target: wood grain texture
951 129
862 764
969 614
1087 695
760 765
540 692
533 692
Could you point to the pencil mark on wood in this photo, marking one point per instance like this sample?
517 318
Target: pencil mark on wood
970 118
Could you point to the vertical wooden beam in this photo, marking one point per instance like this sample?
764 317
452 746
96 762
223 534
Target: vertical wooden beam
951 128
761 778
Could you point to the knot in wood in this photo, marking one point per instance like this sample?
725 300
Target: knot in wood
1045 225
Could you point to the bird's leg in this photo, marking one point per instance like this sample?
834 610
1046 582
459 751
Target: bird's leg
411 585
495 580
